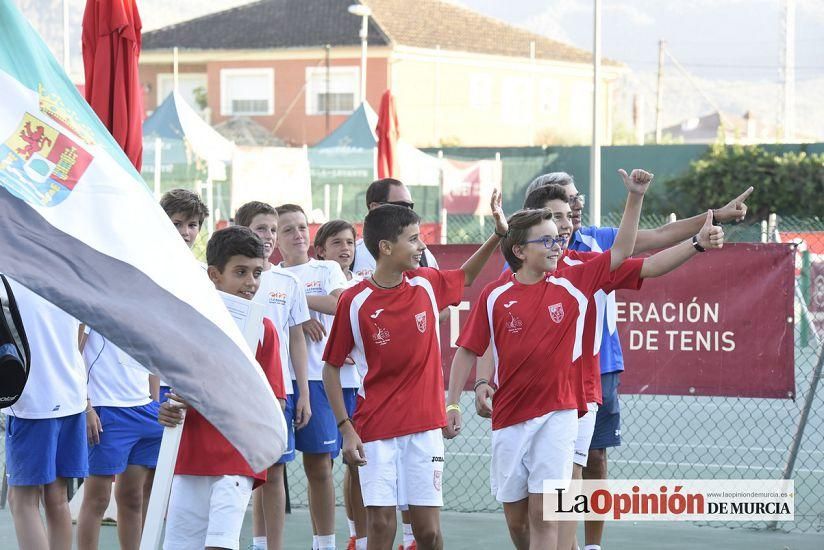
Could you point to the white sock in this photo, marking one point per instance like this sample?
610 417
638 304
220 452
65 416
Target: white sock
360 544
326 542
408 537
592 547
259 543
351 527
314 542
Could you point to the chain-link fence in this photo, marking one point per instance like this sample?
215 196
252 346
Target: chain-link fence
680 436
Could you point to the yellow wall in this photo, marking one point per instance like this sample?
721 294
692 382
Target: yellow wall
514 102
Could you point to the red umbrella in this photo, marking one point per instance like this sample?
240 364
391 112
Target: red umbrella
387 137
111 47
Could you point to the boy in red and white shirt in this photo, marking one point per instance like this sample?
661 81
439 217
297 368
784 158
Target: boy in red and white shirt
629 275
213 483
534 324
388 324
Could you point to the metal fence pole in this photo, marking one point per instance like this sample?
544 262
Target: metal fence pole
804 283
802 423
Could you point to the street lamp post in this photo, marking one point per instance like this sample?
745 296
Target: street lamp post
363 12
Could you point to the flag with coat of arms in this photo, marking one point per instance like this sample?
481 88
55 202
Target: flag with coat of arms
79 227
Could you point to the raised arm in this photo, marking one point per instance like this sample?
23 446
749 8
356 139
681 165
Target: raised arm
637 184
709 237
677 231
473 266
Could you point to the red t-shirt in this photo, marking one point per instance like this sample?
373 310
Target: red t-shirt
203 450
536 334
393 337
627 275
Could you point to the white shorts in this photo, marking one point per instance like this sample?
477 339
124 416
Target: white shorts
206 511
525 454
586 427
403 471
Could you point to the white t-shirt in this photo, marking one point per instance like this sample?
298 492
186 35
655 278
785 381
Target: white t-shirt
115 379
57 378
284 304
364 264
321 278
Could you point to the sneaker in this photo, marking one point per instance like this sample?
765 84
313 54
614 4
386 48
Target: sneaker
351 545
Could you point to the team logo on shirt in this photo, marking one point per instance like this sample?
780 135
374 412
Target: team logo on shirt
510 304
556 312
278 298
514 325
420 320
381 337
313 287
377 312
437 479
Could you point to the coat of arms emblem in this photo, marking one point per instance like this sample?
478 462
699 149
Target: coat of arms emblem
39 164
420 320
556 312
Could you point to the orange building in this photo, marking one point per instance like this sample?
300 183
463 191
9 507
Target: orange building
459 77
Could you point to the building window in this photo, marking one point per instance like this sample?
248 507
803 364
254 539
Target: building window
340 95
247 92
480 91
188 84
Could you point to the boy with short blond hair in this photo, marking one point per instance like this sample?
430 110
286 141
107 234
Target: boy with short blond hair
322 283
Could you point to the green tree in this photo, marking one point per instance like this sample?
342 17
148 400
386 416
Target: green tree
788 183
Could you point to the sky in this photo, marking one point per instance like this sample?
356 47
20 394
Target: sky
731 48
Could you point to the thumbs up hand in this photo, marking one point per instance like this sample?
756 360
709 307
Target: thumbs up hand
711 236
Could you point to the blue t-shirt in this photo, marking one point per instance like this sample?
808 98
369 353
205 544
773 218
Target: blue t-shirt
599 239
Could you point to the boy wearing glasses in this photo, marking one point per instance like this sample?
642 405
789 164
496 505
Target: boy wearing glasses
534 324
385 191
629 275
597 239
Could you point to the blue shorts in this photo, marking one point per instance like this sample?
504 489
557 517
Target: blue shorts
608 419
130 437
38 451
321 434
350 399
163 394
289 414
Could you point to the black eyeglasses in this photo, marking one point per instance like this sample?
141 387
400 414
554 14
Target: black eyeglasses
579 197
549 242
405 204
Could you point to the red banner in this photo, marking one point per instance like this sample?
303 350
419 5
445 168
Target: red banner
721 325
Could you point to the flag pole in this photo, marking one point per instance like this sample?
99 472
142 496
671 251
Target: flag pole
161 488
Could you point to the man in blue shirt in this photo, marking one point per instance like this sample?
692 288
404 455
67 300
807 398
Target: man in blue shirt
598 239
